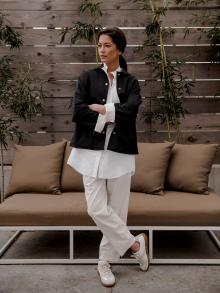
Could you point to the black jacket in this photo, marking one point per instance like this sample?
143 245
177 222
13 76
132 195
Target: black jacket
92 88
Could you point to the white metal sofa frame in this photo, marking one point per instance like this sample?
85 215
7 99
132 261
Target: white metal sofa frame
71 260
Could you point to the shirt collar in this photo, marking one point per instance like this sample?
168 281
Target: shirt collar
105 68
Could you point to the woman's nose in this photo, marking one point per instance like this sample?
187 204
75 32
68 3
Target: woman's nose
101 49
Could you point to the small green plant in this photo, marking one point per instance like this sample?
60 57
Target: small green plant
8 35
207 19
189 3
174 84
87 31
21 95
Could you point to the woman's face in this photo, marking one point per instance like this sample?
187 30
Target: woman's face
108 52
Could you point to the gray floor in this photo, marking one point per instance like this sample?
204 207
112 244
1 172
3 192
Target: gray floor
84 278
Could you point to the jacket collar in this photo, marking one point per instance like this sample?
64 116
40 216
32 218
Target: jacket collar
102 65
105 68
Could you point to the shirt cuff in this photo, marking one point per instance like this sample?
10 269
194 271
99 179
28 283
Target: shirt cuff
100 123
110 112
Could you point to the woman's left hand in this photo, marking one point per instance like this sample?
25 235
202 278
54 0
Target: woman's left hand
98 108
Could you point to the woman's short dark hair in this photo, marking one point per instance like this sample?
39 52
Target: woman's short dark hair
118 37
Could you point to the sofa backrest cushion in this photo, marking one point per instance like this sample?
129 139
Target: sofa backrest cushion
190 166
151 166
36 169
70 179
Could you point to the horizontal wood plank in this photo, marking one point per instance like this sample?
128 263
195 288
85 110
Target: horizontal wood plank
31 36
48 138
63 122
53 54
123 18
141 71
74 5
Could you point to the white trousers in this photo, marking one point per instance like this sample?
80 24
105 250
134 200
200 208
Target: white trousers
107 204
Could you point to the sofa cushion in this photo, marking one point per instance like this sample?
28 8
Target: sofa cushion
151 166
70 179
36 169
174 208
190 166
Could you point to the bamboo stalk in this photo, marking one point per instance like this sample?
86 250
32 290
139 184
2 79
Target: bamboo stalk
2 176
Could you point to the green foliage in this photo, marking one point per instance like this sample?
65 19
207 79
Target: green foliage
174 84
207 19
189 3
89 30
92 7
80 31
8 35
21 94
7 130
214 36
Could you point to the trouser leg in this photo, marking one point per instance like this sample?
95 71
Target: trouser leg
118 190
111 225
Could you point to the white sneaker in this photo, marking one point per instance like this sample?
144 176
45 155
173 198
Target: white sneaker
142 254
106 275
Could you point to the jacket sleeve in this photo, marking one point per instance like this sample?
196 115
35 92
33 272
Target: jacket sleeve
81 113
127 112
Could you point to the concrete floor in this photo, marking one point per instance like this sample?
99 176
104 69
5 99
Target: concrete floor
129 278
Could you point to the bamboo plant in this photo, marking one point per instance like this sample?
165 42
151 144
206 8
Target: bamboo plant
88 31
174 83
20 94
210 19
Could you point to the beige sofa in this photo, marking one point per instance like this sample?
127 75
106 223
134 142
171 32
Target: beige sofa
169 191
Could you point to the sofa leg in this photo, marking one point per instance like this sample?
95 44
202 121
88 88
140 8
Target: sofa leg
11 240
71 244
214 238
151 245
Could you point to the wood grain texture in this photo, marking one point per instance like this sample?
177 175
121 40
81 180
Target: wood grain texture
43 36
68 71
123 18
73 5
150 136
59 66
53 54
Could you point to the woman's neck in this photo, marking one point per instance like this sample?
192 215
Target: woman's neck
112 66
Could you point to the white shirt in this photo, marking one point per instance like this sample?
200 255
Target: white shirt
103 163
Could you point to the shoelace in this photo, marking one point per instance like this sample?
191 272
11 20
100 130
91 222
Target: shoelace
137 257
106 269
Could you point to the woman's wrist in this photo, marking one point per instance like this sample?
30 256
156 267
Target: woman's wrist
98 108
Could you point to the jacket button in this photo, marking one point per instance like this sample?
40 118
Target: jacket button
106 83
114 132
103 131
119 88
103 100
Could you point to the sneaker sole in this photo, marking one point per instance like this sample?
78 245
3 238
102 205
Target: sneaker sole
105 285
146 247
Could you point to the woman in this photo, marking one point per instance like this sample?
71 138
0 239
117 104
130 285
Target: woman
104 145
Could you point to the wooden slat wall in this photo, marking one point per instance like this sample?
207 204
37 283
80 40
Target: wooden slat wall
59 66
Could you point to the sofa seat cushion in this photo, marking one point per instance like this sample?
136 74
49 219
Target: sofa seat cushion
69 209
175 208
45 209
